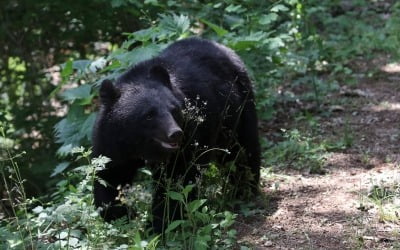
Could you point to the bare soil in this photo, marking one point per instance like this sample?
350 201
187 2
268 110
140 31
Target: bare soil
332 211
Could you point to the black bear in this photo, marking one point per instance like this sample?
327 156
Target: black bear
195 96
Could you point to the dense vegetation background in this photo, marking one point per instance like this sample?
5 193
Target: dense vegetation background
53 55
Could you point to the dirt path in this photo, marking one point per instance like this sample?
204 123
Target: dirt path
332 211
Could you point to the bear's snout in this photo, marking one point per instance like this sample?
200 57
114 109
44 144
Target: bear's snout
172 138
175 135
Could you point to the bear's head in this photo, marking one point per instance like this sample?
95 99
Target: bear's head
141 116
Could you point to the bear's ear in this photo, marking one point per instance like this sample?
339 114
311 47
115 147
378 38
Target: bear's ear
108 92
159 73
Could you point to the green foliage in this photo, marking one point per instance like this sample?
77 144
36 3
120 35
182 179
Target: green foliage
296 51
384 194
298 152
289 44
70 220
203 228
34 37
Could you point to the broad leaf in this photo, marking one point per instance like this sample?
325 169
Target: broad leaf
195 205
60 168
67 69
279 7
219 30
175 196
267 19
80 92
174 225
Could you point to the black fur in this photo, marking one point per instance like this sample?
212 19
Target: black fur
142 118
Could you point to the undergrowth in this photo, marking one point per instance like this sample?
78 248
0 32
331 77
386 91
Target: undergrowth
385 195
296 51
70 219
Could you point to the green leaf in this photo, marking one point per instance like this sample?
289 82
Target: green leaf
175 23
275 43
6 143
81 65
75 127
37 210
118 3
219 30
228 220
175 196
242 45
267 19
143 35
195 205
86 128
234 8
201 242
102 182
80 92
67 69
279 7
63 235
174 225
114 65
187 189
100 162
72 241
60 168
234 21
65 150
154 242
138 54
96 65
146 171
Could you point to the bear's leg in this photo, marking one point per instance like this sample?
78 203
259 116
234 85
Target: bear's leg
248 139
105 196
164 208
157 208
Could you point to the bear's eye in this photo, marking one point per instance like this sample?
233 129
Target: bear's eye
150 115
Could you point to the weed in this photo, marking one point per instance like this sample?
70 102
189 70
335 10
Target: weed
386 197
298 152
17 201
74 222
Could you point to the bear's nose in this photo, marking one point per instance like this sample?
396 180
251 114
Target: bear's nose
175 135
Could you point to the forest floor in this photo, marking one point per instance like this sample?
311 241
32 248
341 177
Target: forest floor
333 210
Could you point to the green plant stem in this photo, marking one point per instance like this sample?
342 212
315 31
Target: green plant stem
19 184
316 91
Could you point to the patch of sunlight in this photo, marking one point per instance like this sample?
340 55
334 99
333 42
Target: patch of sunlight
391 68
386 106
16 64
